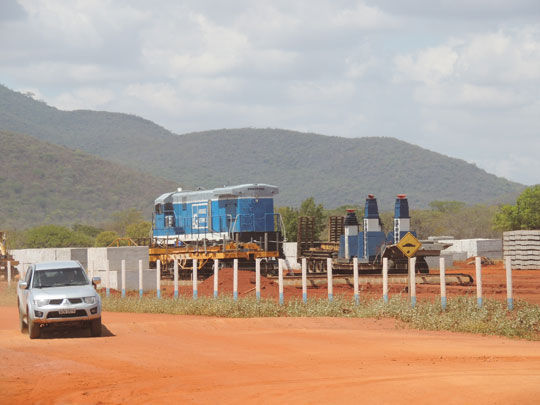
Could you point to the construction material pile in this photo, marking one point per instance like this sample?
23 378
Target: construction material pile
523 247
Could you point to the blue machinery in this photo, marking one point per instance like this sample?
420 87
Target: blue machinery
366 241
236 222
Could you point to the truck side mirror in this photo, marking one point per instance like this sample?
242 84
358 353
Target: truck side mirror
96 281
23 285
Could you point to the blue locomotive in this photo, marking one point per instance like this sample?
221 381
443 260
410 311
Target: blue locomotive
243 213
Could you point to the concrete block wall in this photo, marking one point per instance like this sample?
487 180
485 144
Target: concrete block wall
132 280
492 248
523 247
97 257
291 255
90 258
26 257
433 262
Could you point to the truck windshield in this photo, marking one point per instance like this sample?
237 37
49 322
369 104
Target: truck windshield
59 277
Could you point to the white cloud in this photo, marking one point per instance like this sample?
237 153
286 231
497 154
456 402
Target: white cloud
466 95
84 98
160 96
362 16
456 77
429 66
502 57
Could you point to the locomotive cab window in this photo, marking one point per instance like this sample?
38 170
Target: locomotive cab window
159 209
169 221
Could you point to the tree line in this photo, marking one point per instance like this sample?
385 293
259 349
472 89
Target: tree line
129 223
443 218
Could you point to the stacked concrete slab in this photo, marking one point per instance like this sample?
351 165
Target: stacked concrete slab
97 257
27 257
523 247
132 279
462 249
291 256
90 258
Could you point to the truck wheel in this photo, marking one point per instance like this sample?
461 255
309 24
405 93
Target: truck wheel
95 327
33 330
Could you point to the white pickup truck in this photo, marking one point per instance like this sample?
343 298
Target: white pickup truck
58 294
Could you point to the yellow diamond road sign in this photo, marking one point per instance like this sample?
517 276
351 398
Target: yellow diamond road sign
409 245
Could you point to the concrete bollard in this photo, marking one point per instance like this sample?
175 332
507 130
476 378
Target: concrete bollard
478 264
442 276
9 274
175 278
158 278
235 279
280 281
355 280
304 279
140 279
107 278
195 281
123 278
258 279
412 281
385 279
509 293
216 275
329 277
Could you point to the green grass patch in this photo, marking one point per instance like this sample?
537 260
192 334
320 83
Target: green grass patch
461 315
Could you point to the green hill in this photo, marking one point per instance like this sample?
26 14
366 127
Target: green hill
336 171
43 183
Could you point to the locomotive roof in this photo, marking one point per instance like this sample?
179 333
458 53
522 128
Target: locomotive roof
249 190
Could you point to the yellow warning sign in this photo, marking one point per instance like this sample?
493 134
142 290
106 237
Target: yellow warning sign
409 245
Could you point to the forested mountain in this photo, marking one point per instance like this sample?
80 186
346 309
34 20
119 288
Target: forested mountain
43 183
334 170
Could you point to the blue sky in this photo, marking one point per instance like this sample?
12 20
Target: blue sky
458 77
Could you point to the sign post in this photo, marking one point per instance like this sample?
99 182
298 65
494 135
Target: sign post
258 279
123 269
509 297
442 277
329 277
195 276
304 279
175 269
158 278
409 245
478 265
385 279
216 275
355 280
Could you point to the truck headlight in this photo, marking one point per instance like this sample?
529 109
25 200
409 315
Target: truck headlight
89 300
41 303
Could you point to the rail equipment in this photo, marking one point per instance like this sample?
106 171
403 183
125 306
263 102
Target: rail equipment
6 258
369 244
228 223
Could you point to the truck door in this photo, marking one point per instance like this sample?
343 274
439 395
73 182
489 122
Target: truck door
24 293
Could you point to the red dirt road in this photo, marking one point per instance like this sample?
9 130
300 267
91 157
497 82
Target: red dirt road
147 358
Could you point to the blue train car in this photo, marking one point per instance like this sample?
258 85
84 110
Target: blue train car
243 213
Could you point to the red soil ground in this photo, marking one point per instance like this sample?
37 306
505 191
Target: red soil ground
150 358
